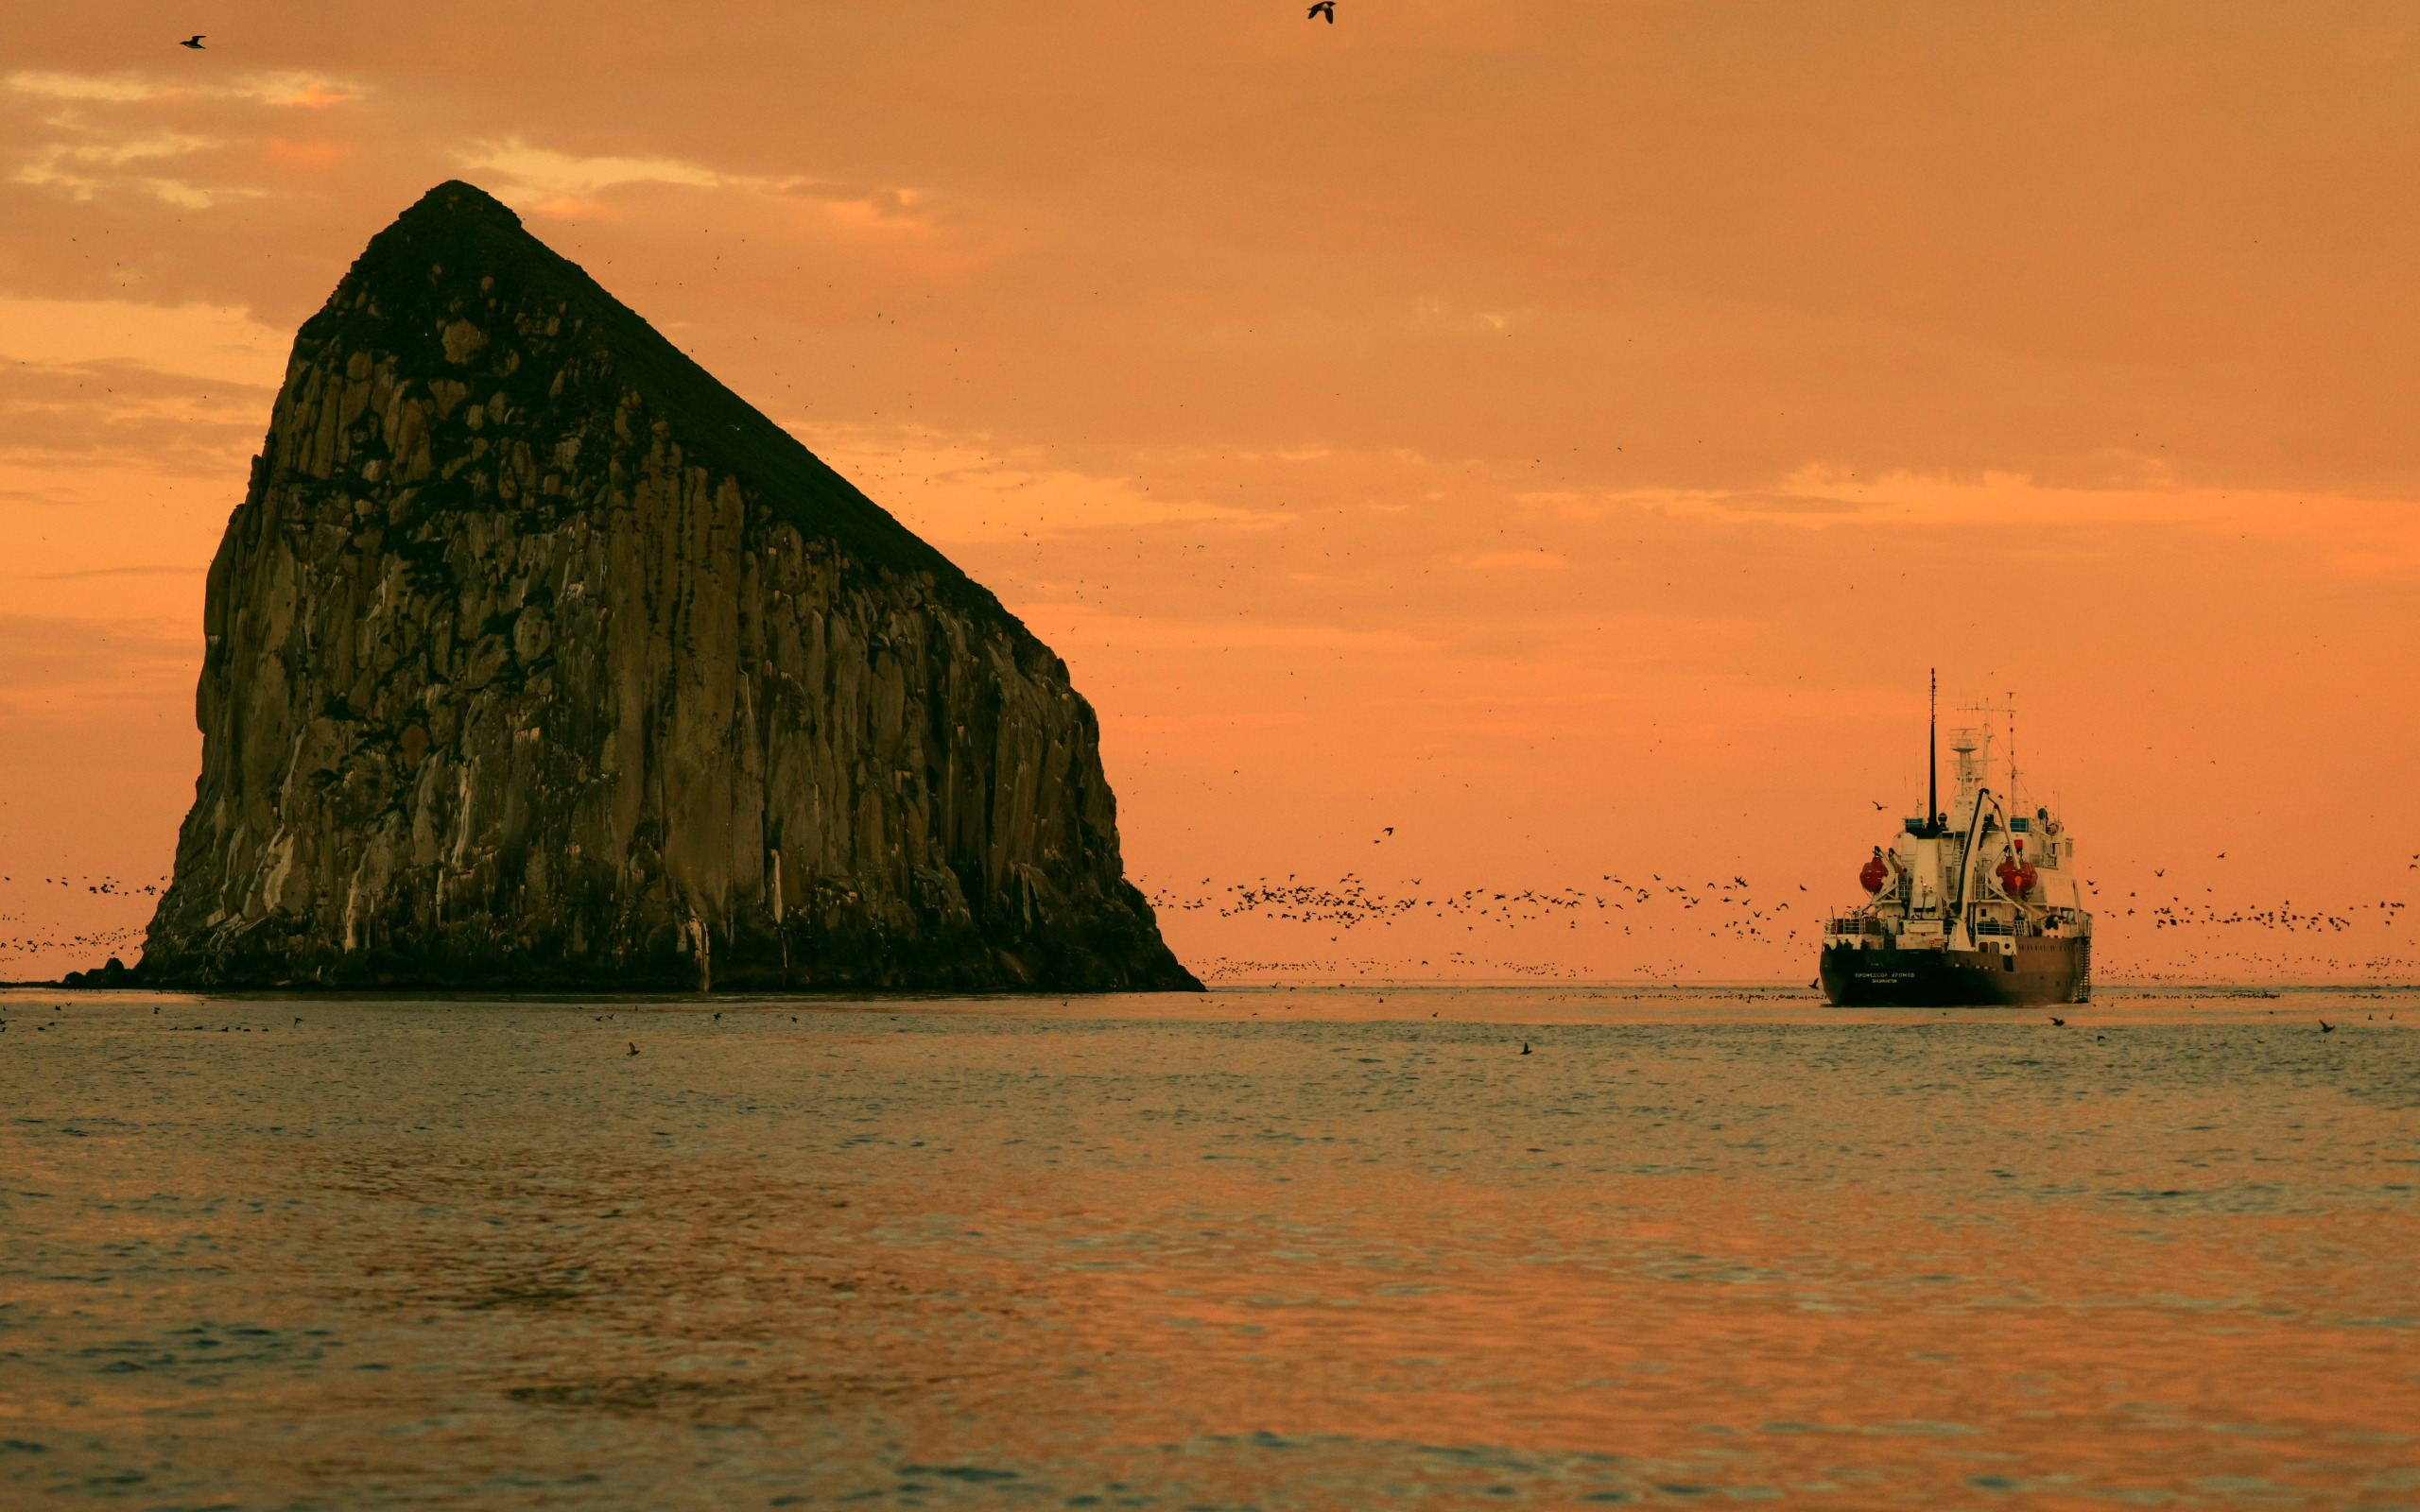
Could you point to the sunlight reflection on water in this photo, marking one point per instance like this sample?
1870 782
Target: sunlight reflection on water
1264 1248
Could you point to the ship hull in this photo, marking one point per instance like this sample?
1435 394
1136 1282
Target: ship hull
2043 971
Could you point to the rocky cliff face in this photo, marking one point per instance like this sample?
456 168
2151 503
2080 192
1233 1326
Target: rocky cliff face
535 657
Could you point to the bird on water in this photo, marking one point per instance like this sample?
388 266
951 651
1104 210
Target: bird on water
1325 7
194 41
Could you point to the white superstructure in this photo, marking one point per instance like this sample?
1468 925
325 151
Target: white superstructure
1976 878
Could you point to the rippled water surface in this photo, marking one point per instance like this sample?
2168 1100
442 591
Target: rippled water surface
1270 1249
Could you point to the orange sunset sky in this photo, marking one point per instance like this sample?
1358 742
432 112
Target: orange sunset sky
1563 433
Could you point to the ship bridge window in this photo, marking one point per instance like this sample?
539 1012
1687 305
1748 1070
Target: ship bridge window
2021 826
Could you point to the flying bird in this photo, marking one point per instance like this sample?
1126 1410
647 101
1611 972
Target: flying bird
2061 1023
194 41
1325 7
1877 806
2326 1027
635 1048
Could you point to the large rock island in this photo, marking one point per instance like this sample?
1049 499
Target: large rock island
536 658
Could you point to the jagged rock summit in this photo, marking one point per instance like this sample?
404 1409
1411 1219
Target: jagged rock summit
536 658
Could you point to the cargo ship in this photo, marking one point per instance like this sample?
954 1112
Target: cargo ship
1974 905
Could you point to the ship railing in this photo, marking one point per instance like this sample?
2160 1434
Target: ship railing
1853 925
1993 926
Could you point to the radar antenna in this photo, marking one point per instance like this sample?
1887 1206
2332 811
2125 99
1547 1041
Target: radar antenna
2011 750
1983 764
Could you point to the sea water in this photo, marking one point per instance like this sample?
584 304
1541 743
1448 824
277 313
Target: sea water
1264 1248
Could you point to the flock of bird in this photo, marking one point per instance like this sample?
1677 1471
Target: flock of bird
1653 913
2177 914
1345 969
30 939
1352 901
106 887
1657 912
1649 914
2229 944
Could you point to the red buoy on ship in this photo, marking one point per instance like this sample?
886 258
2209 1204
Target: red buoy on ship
2016 877
1873 874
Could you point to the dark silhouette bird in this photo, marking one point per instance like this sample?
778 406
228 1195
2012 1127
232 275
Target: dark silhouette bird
2061 1023
1877 808
2326 1027
1325 7
635 1048
1525 1047
194 41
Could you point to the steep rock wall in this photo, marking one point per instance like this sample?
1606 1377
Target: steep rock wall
535 657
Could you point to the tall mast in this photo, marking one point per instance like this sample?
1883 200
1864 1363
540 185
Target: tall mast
2011 750
1932 753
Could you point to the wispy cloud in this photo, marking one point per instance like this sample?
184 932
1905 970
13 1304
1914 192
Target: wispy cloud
543 174
2361 537
113 132
308 91
113 660
67 168
563 183
961 488
206 340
